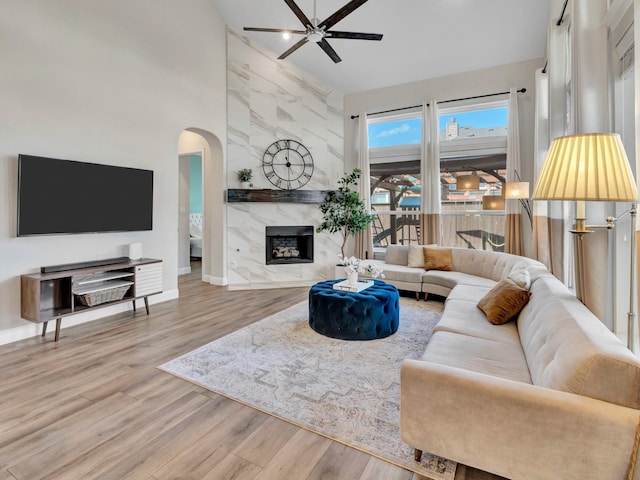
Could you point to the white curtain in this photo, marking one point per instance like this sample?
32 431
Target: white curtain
364 240
559 91
542 241
430 219
513 229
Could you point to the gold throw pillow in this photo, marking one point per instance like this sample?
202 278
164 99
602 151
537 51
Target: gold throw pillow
503 302
438 259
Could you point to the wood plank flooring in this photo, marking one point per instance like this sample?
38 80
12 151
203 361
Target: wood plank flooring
94 406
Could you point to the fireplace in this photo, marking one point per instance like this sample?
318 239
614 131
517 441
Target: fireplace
291 244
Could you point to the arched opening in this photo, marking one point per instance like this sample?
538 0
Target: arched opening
196 143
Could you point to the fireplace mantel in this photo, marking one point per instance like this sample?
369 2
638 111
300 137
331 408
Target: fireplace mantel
270 195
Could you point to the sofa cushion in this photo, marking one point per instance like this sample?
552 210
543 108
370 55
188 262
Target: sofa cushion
493 265
500 359
452 279
399 273
463 317
503 302
570 349
438 259
397 255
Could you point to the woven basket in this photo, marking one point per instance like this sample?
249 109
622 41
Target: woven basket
103 296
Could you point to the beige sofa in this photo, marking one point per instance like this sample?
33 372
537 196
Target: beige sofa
404 267
552 395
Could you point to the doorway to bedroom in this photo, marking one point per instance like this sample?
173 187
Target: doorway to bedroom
190 212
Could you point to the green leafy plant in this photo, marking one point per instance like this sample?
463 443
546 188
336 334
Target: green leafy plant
245 175
344 211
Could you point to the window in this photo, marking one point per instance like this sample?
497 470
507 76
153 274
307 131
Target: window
394 155
473 143
473 162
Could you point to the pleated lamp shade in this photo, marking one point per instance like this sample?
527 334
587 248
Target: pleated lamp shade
467 183
586 167
493 202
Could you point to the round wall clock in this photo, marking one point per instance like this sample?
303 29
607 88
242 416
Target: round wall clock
287 164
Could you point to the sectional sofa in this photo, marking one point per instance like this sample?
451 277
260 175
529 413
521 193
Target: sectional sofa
549 393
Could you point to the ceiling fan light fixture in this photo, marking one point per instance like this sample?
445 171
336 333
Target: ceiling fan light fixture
315 36
286 35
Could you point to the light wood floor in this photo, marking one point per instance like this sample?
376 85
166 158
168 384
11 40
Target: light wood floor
94 406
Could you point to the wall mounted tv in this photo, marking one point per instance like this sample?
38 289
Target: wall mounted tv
65 196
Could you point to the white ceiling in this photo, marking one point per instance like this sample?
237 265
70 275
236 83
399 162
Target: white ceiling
422 38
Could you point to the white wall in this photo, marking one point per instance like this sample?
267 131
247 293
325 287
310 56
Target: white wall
270 99
106 81
479 82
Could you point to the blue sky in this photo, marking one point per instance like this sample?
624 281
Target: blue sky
409 131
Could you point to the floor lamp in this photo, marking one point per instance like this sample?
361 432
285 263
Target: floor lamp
592 167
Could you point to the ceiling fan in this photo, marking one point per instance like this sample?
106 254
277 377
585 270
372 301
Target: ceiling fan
319 32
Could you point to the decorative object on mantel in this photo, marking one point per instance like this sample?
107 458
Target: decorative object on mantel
344 211
245 175
353 267
287 164
271 195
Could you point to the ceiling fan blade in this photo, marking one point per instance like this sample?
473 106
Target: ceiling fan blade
299 13
341 13
324 45
293 48
274 30
354 35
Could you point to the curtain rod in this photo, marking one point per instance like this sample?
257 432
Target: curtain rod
522 90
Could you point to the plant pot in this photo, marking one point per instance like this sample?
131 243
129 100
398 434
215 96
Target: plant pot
245 185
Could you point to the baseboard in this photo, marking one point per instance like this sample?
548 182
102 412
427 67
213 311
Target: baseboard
33 329
219 281
184 270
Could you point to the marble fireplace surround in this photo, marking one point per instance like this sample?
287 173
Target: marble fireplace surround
269 99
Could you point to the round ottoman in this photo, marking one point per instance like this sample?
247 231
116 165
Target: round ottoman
371 313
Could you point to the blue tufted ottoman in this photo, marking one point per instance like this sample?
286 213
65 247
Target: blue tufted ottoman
371 313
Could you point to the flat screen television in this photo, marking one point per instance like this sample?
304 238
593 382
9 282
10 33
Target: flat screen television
65 196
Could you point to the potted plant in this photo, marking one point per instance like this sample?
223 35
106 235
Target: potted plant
245 175
344 211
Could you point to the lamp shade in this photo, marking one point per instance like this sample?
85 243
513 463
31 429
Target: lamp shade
493 202
586 167
467 183
516 190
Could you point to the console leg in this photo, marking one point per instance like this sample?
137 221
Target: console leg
146 304
44 328
134 306
58 323
417 455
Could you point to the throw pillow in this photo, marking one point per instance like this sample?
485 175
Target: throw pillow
416 255
503 302
438 259
396 255
520 276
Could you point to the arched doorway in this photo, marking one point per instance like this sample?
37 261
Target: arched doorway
213 219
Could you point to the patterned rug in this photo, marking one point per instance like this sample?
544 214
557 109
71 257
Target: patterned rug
348 391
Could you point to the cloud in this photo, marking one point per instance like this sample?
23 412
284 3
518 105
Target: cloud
404 128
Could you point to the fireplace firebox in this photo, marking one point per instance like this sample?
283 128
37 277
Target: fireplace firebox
289 244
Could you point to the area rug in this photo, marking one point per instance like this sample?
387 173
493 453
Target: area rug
348 391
